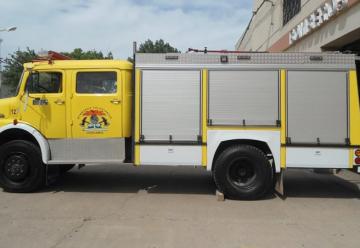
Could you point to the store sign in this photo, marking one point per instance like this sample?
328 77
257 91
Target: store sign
317 18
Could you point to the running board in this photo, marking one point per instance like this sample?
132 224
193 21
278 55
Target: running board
109 161
91 150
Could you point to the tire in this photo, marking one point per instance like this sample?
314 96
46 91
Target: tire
243 172
63 168
21 167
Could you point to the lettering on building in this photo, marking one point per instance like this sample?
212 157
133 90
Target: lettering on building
320 16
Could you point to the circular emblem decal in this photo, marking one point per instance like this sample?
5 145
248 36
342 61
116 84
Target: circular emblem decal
94 120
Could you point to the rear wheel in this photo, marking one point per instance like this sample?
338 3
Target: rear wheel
243 172
21 167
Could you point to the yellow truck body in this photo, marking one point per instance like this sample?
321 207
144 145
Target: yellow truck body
266 112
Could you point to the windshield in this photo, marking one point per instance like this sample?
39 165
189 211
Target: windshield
7 91
19 84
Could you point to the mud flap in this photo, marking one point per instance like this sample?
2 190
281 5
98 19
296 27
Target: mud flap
279 185
52 173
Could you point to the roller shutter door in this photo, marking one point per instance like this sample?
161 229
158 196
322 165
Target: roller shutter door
244 97
170 105
317 107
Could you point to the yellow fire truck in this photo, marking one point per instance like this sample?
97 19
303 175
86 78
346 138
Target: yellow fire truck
246 117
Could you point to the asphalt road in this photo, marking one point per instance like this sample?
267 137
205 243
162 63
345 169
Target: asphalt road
107 206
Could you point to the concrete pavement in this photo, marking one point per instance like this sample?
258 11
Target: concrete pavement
107 206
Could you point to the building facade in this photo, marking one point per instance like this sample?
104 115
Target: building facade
303 26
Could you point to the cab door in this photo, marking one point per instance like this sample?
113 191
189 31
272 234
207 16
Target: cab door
44 106
96 104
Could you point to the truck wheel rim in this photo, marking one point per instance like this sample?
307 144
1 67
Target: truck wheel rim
241 172
16 167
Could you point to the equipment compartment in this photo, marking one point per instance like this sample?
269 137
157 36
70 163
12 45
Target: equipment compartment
317 107
244 97
170 105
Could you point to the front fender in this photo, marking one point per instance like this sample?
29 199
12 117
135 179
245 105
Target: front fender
43 143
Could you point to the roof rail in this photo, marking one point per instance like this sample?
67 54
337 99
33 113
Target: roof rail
219 51
50 56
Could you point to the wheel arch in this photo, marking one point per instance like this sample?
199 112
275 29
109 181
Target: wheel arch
268 142
263 146
26 132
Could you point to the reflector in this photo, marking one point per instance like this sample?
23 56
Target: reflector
357 152
357 160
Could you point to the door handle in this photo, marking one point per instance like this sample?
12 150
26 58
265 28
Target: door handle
59 102
115 101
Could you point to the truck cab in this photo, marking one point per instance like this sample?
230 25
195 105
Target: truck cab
70 112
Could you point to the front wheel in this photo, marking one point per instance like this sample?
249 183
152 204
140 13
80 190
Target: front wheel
21 167
243 172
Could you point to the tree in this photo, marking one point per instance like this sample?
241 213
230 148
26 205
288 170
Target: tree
158 46
78 53
13 66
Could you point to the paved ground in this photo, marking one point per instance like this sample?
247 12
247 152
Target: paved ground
102 207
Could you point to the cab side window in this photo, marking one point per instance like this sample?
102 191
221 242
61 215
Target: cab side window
96 82
45 82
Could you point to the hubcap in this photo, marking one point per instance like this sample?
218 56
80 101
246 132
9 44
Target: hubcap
241 172
16 167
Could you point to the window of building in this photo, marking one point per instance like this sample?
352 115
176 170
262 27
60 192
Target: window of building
290 9
96 82
44 82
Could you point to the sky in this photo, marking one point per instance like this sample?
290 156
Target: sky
112 25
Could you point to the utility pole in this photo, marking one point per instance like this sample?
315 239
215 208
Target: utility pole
1 40
10 29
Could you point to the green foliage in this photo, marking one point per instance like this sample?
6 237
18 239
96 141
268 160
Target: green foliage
78 53
158 46
130 59
13 67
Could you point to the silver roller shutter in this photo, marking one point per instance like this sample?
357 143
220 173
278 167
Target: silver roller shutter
317 107
170 105
238 97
